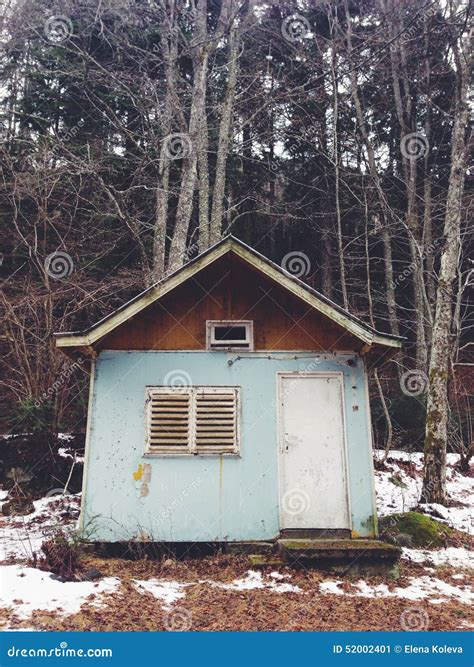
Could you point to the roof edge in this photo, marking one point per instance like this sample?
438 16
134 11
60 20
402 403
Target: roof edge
333 311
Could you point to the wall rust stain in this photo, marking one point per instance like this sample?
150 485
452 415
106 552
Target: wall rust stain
146 473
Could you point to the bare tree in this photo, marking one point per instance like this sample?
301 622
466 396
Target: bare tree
434 480
236 26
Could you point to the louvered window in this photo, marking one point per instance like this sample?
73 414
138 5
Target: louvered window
168 420
215 427
195 420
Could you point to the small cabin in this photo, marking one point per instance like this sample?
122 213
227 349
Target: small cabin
228 403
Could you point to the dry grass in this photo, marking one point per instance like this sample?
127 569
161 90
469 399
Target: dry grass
207 608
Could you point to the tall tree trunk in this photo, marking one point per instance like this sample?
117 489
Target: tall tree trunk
388 419
434 474
236 25
200 57
203 173
374 174
209 233
389 280
335 151
427 243
326 224
404 112
169 49
224 138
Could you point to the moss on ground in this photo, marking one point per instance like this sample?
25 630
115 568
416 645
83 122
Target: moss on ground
424 531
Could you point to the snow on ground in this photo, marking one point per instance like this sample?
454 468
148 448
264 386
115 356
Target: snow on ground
407 467
452 556
171 591
27 589
255 580
398 490
21 536
168 592
419 588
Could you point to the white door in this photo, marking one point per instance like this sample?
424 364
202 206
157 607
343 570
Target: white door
313 478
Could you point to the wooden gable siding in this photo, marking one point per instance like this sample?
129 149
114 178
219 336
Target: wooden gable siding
230 289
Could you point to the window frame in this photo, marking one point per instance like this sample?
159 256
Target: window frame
191 450
215 346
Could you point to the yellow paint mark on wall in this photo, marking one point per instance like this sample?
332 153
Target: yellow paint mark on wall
137 475
143 474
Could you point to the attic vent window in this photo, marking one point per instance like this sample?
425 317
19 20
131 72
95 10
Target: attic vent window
230 335
192 420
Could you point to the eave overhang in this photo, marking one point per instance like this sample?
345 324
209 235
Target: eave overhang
85 340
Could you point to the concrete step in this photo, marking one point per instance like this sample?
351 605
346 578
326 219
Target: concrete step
246 548
266 560
364 556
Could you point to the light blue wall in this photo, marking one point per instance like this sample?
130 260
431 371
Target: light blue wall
206 498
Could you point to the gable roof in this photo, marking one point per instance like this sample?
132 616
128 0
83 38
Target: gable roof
87 338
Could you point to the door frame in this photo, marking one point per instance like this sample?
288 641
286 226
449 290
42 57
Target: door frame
280 376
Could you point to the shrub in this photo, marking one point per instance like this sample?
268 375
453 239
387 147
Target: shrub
61 555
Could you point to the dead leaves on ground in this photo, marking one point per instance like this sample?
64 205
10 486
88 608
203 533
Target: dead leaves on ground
209 608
